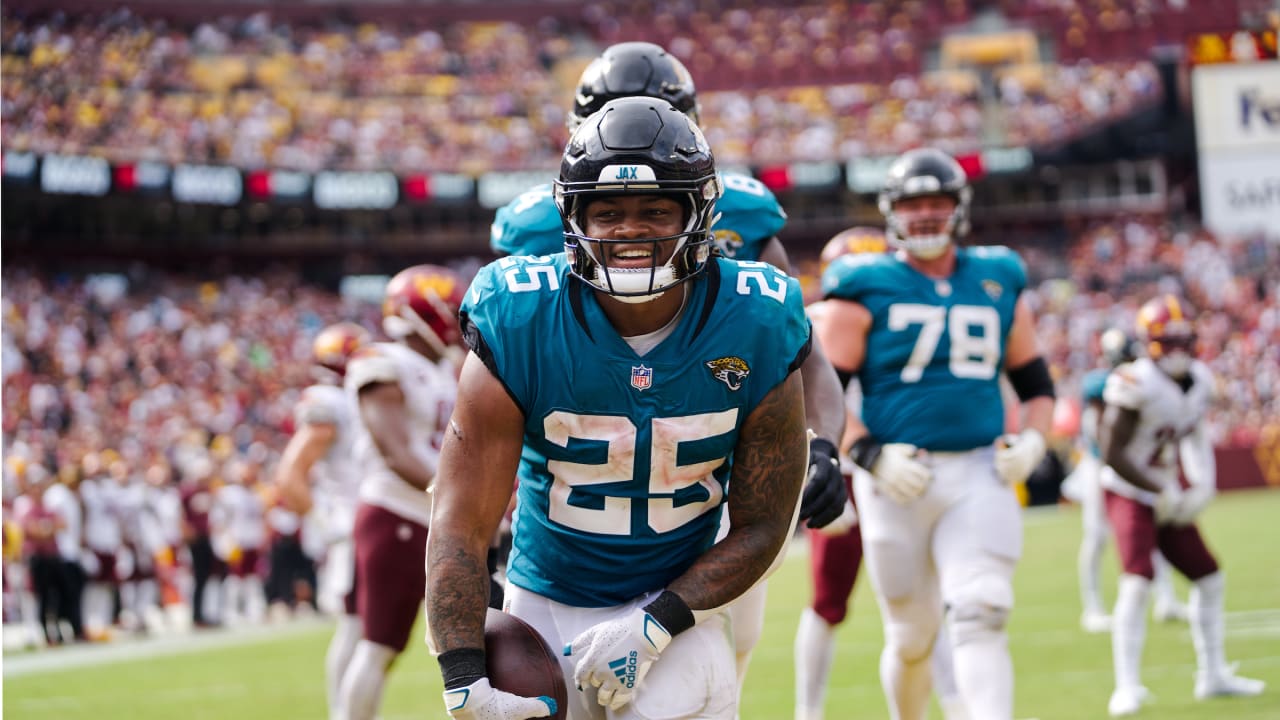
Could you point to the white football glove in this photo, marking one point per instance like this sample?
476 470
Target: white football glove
899 474
481 701
1193 502
847 521
617 654
1018 455
1168 503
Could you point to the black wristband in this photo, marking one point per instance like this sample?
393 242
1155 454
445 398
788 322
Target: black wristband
865 452
671 612
824 447
461 667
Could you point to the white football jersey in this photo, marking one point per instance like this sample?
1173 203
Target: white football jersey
102 531
1166 415
337 475
430 390
238 519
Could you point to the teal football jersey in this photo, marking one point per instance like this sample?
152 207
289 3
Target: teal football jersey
935 349
626 458
1092 384
528 225
749 216
1091 387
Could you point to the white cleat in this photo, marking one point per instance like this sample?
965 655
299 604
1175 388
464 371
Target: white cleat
1095 622
1128 701
1170 612
1227 684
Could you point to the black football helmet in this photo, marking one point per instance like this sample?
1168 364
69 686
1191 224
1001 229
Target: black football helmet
633 69
642 146
917 173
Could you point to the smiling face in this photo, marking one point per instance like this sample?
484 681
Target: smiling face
639 218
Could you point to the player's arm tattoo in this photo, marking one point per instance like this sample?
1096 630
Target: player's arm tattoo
478 464
458 594
768 472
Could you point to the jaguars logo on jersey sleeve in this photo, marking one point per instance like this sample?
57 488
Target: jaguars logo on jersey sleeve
627 458
528 225
749 216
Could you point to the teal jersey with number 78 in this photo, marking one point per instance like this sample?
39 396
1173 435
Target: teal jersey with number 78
935 349
626 458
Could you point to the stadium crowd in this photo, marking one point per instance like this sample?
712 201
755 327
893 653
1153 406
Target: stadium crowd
142 390
478 96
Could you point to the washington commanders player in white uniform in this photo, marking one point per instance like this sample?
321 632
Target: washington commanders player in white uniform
322 453
404 391
1153 425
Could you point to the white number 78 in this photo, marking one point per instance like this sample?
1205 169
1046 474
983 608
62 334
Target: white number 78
973 355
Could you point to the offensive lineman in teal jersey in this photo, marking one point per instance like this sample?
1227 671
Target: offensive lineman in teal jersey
928 331
636 383
748 220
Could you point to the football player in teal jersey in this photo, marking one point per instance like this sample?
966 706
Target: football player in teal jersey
928 331
636 384
747 220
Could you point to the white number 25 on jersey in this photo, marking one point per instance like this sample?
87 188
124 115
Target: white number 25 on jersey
666 476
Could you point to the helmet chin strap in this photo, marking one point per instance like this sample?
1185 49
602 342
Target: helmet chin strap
924 247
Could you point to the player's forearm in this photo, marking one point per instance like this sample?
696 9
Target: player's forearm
823 396
731 567
1131 473
457 590
1038 414
411 469
295 491
769 470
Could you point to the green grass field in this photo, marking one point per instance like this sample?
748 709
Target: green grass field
1061 672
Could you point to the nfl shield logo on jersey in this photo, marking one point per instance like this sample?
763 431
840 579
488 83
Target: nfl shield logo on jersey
641 377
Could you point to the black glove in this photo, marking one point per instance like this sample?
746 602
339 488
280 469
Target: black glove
824 491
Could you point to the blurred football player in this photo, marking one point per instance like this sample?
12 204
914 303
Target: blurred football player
238 526
835 551
929 331
1152 427
746 221
1117 348
672 371
404 391
322 452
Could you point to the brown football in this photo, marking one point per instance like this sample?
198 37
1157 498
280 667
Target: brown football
519 661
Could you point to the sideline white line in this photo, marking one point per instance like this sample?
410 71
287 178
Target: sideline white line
61 659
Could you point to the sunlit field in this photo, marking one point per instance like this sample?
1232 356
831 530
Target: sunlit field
1061 672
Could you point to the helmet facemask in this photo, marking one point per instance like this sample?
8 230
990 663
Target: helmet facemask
588 258
925 172
926 247
1174 353
638 146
